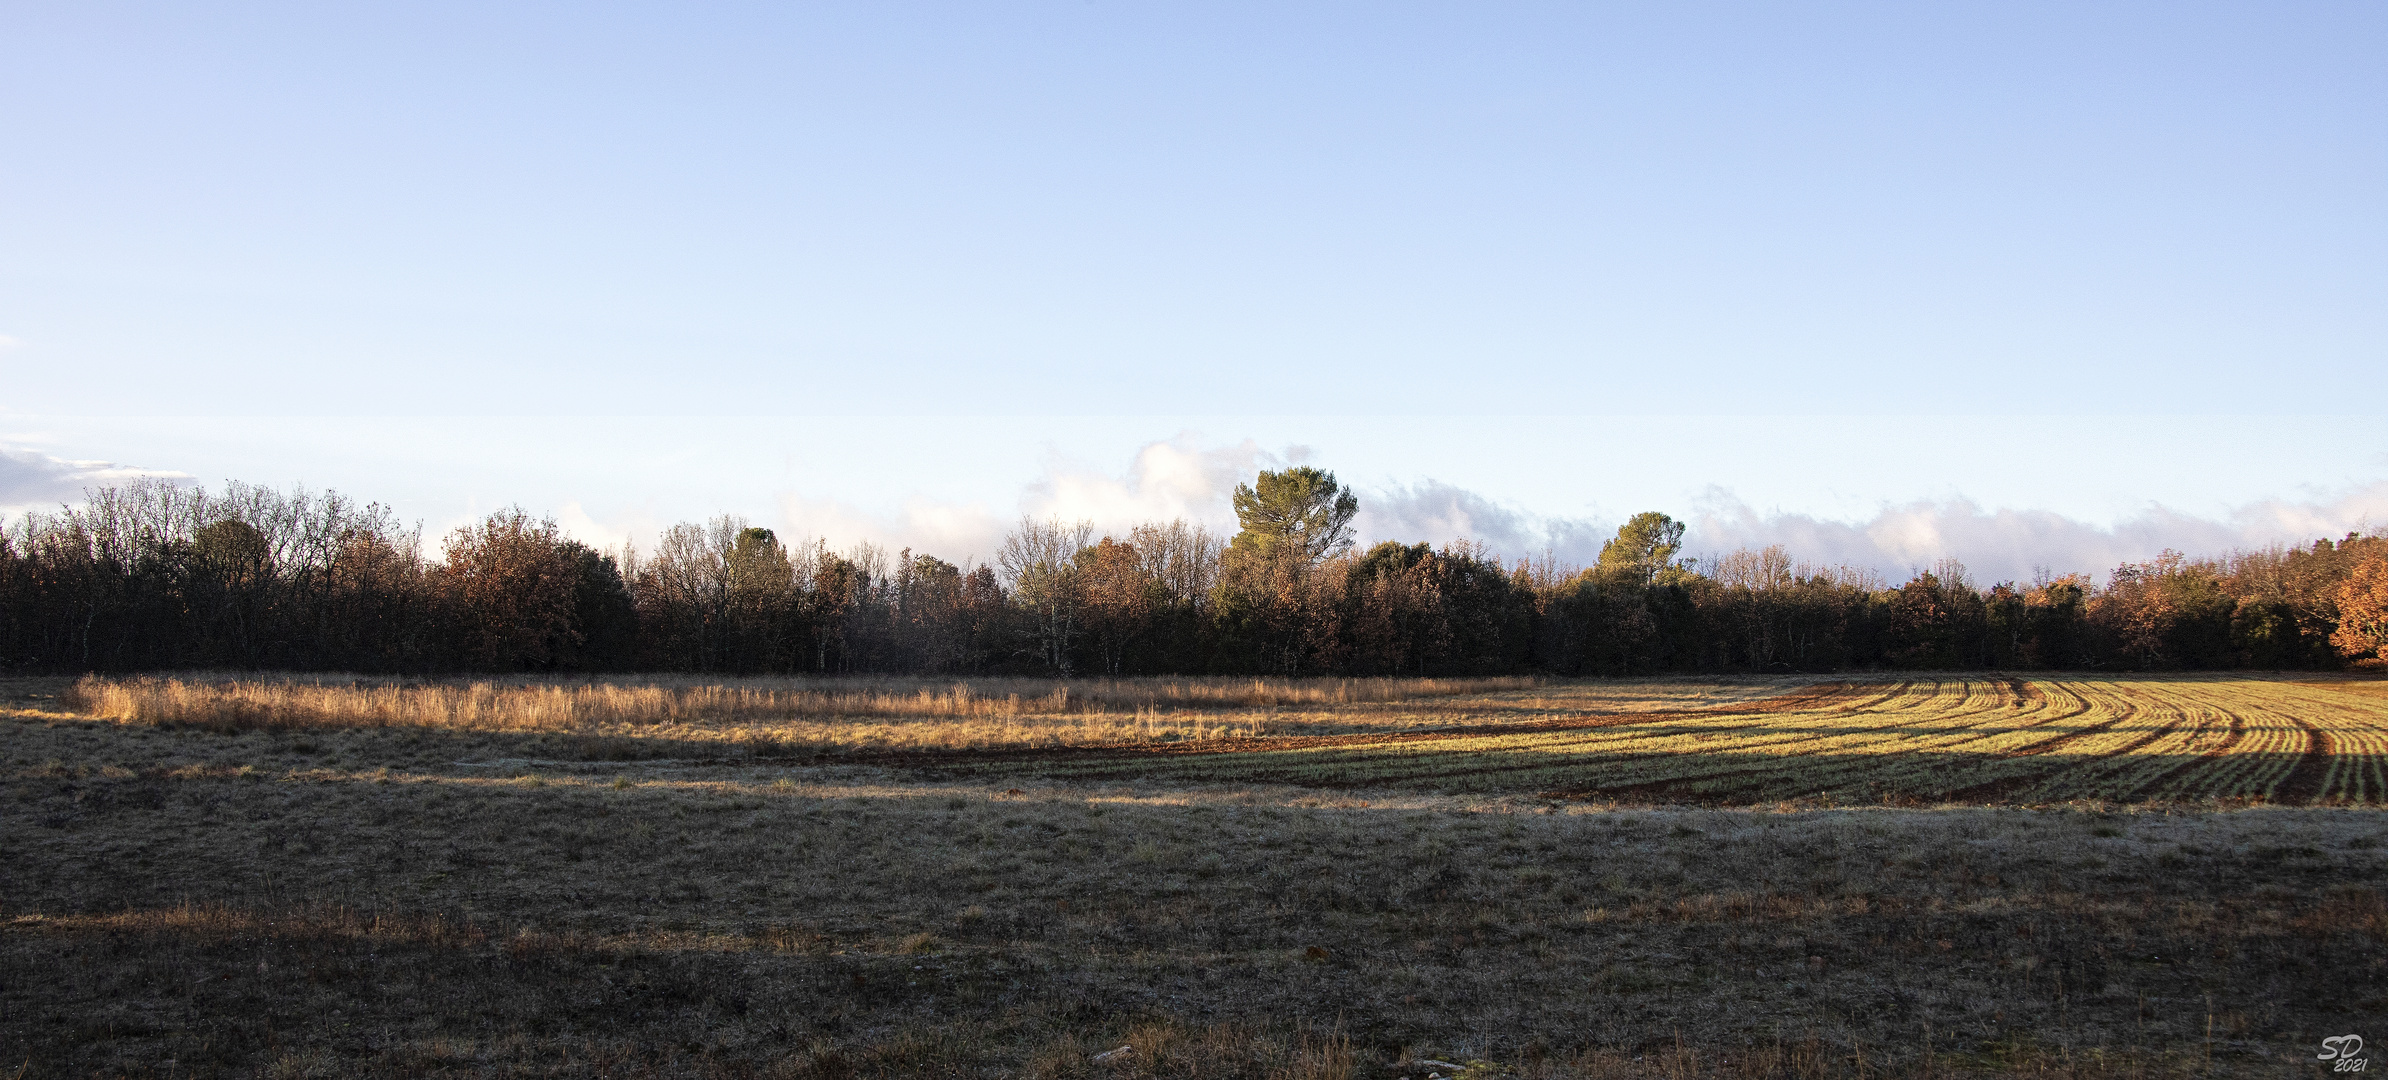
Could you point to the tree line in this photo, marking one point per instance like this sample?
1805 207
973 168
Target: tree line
152 575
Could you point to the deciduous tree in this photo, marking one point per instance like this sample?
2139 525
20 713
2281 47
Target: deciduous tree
2363 611
1039 561
511 590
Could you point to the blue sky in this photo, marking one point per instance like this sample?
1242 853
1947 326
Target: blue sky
859 270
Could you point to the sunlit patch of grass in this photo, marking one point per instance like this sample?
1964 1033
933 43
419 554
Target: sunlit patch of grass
2171 739
784 717
241 702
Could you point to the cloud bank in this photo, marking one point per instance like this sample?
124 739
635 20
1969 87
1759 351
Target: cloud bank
1441 513
1165 481
2008 544
1180 478
31 480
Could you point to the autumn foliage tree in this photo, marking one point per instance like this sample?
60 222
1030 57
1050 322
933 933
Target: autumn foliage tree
2363 611
510 584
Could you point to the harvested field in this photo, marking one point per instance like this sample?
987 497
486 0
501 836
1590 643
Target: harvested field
1968 740
427 899
1982 739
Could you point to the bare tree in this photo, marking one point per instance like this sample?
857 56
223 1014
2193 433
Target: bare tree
690 587
1039 564
1183 558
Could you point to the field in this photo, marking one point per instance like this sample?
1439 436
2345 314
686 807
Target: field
1998 739
1964 740
1987 875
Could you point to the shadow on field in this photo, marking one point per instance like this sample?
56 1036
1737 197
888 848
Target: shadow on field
1715 778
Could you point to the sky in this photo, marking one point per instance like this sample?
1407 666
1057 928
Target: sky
2026 285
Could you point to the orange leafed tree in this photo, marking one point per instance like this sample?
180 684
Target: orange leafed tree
2363 611
510 585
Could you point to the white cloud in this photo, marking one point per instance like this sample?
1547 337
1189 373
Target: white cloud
2007 544
32 480
1177 478
1440 513
636 525
8 343
956 532
1166 481
1180 478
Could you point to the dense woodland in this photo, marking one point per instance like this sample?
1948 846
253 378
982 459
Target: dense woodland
157 576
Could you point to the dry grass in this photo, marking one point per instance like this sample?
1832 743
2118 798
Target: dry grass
358 902
813 712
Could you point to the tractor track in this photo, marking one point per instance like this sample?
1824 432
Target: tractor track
2236 732
2309 780
1781 763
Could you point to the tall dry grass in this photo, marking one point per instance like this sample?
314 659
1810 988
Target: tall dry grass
970 712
